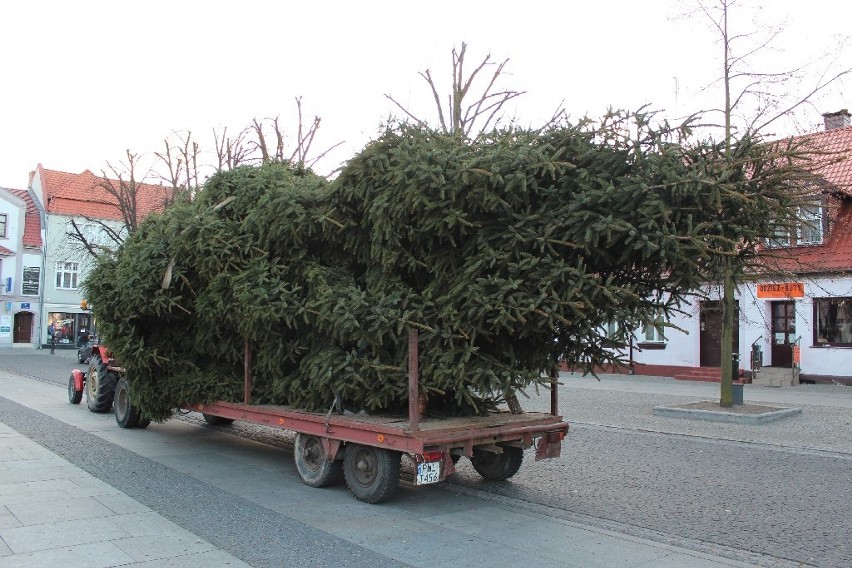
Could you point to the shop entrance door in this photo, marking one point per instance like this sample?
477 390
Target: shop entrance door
783 333
710 339
23 327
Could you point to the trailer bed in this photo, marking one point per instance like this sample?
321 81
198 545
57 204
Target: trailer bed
393 431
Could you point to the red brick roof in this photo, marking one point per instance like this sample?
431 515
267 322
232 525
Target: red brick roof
83 194
32 219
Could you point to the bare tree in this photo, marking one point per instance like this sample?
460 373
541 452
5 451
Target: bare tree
770 99
181 164
124 188
468 113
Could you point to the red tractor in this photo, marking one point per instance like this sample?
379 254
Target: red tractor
105 388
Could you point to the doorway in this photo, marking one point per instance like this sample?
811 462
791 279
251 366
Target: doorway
783 333
23 327
710 339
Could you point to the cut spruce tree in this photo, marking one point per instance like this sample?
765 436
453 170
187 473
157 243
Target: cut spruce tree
510 254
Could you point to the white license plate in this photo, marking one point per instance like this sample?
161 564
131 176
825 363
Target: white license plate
429 472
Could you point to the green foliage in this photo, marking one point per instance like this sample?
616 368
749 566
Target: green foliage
508 254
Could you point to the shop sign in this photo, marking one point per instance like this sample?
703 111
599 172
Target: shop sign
5 326
781 290
31 280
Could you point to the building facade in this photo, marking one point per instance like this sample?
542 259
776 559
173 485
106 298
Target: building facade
87 205
800 317
21 267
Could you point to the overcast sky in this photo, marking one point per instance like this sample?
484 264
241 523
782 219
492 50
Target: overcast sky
81 82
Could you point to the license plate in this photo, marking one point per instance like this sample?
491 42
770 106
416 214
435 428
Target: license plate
429 472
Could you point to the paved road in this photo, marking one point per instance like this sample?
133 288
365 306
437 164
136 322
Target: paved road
783 491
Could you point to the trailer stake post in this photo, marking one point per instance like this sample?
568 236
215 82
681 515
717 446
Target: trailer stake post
554 391
247 374
413 381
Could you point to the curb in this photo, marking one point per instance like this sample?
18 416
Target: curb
722 416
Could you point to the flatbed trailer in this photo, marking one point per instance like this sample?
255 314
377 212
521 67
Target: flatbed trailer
365 450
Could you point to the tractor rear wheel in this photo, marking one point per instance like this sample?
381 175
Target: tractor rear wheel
100 385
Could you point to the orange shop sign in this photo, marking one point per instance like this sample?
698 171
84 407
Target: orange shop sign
781 290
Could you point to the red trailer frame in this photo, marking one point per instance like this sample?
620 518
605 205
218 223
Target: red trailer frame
365 449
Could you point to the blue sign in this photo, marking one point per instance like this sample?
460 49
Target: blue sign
25 306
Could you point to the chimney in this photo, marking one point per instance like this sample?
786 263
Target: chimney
839 119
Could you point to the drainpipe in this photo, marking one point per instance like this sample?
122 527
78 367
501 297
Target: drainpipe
42 212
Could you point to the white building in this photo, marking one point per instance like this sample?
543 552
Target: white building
802 319
21 267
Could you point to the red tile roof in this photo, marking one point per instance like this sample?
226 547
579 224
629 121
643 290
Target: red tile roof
83 194
6 252
834 255
32 219
833 159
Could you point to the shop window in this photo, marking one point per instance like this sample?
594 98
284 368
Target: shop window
67 274
3 221
833 317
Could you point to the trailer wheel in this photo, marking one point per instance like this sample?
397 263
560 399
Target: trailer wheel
497 467
74 396
126 414
100 385
372 474
312 463
214 420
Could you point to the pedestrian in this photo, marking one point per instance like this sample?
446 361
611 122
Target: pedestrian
51 331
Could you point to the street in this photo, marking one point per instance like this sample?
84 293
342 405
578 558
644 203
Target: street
769 495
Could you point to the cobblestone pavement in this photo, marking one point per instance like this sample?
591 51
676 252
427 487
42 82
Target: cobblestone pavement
782 489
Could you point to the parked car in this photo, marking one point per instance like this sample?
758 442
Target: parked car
84 352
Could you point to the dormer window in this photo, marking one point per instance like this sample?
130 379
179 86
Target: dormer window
809 230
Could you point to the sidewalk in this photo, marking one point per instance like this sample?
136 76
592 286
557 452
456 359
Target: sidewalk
52 513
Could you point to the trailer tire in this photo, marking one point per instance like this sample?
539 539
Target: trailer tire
74 396
214 420
100 385
126 413
497 467
312 462
372 474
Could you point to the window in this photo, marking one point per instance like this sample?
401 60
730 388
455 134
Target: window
67 274
809 228
833 317
653 330
809 231
2 225
780 237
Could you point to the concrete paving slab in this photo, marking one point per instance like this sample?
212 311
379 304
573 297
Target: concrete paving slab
121 504
148 548
212 559
59 510
62 534
7 519
97 555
